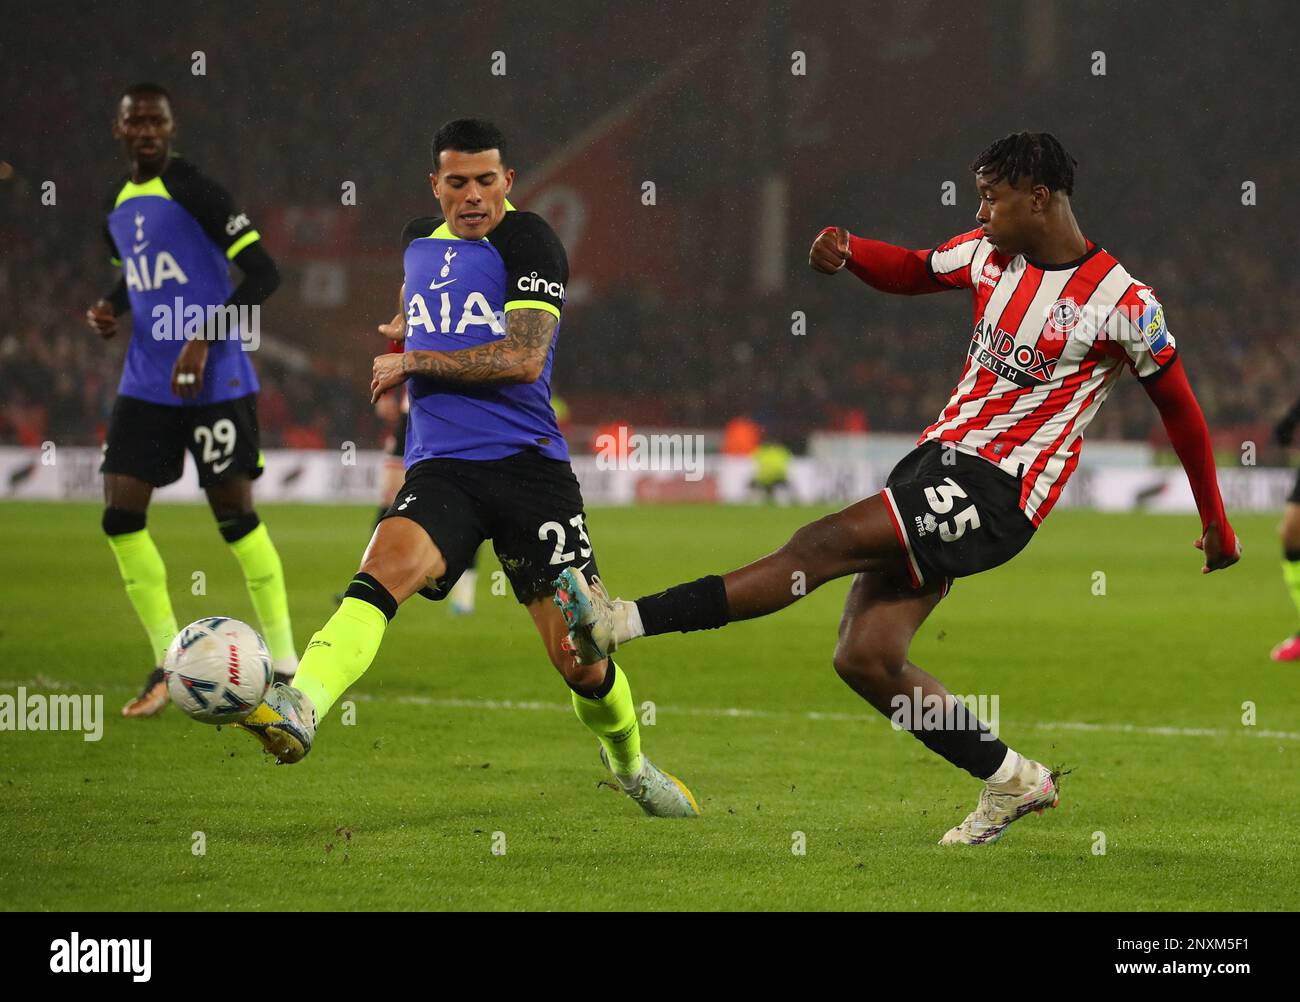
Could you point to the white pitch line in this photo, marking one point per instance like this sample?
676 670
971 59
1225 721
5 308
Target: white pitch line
743 712
1164 732
685 711
746 713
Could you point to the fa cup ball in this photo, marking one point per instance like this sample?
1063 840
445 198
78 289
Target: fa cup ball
218 670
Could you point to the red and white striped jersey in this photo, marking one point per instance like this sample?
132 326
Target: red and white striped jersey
1047 345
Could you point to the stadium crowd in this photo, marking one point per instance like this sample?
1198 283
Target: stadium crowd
866 361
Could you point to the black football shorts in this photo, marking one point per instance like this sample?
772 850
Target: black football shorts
148 441
954 518
1294 496
528 505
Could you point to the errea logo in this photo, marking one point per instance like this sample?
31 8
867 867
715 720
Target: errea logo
531 283
236 223
990 274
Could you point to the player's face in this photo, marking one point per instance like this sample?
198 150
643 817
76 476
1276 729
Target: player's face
472 189
1006 214
145 126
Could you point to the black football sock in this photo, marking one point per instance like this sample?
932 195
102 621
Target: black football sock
964 741
699 605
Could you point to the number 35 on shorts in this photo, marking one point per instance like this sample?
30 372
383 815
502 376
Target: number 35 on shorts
942 500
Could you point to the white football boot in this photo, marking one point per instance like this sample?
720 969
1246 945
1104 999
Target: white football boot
660 794
1032 788
594 620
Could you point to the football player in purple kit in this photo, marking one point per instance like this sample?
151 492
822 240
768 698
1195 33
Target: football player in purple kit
188 383
485 459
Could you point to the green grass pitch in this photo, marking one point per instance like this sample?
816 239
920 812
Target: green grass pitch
463 730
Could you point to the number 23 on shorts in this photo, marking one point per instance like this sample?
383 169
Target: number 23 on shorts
556 531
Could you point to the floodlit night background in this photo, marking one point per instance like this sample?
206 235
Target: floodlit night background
679 312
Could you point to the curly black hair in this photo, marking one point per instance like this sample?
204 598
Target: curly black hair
1036 155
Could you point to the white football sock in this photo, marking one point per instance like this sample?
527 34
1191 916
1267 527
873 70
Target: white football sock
1007 770
628 625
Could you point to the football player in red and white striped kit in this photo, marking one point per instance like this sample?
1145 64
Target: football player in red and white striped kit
1056 321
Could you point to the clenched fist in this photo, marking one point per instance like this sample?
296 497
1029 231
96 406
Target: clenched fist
101 320
1212 545
830 250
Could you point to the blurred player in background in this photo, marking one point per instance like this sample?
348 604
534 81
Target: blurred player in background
174 232
772 471
1057 320
485 459
1289 649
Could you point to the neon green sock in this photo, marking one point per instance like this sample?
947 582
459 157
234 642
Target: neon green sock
265 579
340 653
612 719
145 577
1291 575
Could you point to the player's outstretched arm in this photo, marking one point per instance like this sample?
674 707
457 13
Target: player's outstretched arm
519 357
1190 437
882 266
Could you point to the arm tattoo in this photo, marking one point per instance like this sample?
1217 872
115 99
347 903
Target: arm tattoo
516 358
